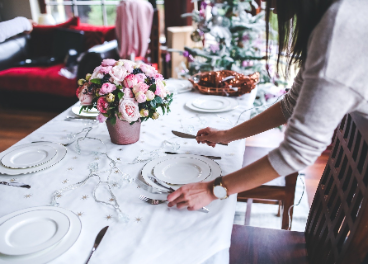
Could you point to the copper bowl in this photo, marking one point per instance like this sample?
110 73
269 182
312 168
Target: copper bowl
225 82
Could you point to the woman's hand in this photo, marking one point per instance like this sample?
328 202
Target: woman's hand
193 196
211 136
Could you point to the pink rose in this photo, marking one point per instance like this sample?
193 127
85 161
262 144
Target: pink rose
148 70
128 65
128 93
140 97
107 88
101 118
84 96
140 77
108 62
150 95
129 110
159 76
97 74
130 81
160 89
102 105
105 70
140 87
118 74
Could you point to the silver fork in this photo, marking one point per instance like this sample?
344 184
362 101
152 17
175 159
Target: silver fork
156 202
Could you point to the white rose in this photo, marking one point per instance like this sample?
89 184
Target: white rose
129 110
118 73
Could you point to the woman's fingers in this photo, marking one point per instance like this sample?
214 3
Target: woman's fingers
173 196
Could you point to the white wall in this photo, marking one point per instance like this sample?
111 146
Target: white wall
13 8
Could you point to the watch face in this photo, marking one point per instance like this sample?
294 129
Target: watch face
220 192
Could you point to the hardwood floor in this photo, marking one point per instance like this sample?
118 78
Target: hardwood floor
18 123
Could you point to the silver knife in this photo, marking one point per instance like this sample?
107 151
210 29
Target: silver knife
210 157
97 241
16 184
185 135
160 183
82 117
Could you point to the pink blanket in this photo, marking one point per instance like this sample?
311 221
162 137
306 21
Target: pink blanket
133 27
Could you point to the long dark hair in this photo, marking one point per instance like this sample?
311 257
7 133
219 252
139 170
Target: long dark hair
296 21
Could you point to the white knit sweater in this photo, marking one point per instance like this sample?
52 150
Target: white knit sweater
333 82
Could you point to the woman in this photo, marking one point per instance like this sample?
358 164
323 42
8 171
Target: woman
327 41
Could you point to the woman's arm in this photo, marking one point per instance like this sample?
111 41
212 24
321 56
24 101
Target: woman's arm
274 116
321 106
268 119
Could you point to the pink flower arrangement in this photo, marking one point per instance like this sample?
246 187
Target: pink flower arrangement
126 90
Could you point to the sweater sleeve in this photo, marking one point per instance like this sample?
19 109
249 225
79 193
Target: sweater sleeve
320 107
13 27
289 101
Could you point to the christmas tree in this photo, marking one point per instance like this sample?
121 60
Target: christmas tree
235 40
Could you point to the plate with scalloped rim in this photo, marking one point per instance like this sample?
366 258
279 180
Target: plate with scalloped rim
61 152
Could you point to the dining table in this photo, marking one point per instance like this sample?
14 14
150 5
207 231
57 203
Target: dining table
147 233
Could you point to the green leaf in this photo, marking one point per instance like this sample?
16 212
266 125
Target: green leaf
163 109
120 94
113 120
83 108
96 81
152 88
153 103
158 100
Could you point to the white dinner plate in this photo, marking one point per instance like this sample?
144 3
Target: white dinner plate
148 169
61 152
182 170
30 156
32 231
211 103
178 86
89 113
53 252
232 104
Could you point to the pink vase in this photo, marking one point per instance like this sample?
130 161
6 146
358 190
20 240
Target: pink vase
122 133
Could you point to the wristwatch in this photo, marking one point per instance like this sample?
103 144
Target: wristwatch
219 190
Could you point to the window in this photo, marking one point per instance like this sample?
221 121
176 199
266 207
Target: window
94 12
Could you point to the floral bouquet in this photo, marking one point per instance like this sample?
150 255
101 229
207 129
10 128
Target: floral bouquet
125 90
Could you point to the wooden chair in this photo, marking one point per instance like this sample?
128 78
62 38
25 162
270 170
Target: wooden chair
337 229
280 191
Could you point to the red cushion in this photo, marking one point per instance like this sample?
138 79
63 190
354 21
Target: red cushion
38 80
42 37
95 35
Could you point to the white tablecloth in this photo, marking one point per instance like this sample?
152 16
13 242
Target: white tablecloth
154 234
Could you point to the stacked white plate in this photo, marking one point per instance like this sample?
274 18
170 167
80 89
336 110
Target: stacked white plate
212 104
37 235
180 169
85 113
30 158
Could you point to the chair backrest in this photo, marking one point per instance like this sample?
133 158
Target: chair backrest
337 226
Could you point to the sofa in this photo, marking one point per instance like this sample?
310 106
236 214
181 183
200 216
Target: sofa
43 86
